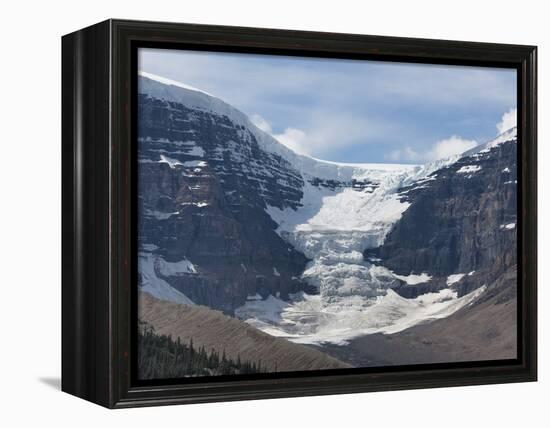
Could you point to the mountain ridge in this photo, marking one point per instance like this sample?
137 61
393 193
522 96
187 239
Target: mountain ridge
197 99
267 229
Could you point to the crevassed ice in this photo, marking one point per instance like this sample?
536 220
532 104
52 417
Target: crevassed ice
333 228
307 320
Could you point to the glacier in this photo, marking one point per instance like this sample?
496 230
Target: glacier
355 296
332 226
308 320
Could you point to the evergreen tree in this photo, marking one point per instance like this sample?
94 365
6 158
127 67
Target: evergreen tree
159 356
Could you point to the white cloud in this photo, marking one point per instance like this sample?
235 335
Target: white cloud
407 154
323 132
509 120
295 139
449 147
440 150
261 123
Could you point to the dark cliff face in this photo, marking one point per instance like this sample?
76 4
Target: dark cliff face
205 182
203 187
461 220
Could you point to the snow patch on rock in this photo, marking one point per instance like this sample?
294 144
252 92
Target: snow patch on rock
452 279
148 268
172 163
508 226
175 268
468 169
413 279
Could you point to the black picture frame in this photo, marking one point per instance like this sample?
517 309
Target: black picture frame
98 212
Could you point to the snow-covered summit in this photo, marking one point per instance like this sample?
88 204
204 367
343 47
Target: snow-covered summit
170 82
170 90
509 135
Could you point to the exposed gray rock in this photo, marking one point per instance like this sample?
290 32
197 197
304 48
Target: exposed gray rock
203 188
461 221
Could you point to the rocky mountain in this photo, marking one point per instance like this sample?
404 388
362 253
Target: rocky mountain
461 223
210 187
204 183
313 251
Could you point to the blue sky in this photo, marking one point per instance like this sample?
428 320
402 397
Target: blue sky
353 111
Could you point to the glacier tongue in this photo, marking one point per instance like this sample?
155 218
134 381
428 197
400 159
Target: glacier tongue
334 226
308 320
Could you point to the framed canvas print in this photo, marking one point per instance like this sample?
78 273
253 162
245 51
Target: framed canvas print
253 213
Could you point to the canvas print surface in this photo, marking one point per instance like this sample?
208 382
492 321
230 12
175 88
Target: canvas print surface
307 214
